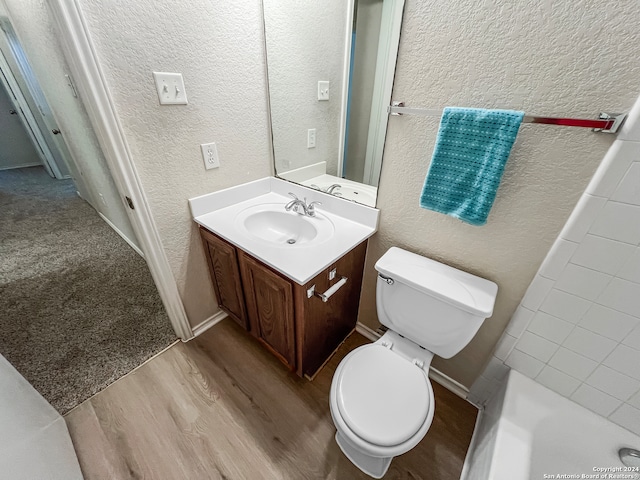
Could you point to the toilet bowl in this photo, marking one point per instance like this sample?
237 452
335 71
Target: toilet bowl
381 403
381 399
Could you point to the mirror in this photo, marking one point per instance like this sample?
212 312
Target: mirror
330 66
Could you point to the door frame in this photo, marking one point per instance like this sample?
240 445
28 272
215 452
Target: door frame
390 29
80 53
28 120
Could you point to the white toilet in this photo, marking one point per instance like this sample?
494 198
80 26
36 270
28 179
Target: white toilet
381 398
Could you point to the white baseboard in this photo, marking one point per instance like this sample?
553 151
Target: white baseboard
208 323
13 167
124 237
434 374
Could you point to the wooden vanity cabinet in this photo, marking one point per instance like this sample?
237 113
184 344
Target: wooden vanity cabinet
269 299
301 331
222 260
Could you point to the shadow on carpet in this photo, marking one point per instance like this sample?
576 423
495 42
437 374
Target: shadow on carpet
78 307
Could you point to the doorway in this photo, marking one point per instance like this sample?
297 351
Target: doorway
78 306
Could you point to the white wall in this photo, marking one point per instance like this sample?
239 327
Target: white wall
577 329
218 47
29 424
571 58
16 149
305 43
33 25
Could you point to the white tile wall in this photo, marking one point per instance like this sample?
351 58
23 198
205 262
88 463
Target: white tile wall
629 189
628 417
578 225
608 322
536 346
558 381
613 383
573 364
565 305
618 221
592 398
549 327
583 282
577 330
631 270
589 344
602 254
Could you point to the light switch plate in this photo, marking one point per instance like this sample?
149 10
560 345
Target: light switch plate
170 87
323 91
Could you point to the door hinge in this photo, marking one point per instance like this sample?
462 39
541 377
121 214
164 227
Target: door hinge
130 203
73 87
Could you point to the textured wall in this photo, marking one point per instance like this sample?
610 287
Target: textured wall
570 58
34 27
218 47
305 43
577 329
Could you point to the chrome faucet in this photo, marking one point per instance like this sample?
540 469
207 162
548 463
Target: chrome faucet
329 189
307 209
332 188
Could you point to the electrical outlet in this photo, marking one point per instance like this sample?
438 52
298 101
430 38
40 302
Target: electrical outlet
170 87
104 202
323 91
210 155
311 138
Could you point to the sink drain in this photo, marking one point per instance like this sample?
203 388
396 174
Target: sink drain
291 241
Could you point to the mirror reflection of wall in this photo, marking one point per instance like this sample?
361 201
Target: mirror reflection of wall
305 45
333 144
364 48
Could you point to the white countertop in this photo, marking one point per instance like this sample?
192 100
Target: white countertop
353 224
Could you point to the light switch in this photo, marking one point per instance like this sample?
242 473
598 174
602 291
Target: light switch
323 90
170 87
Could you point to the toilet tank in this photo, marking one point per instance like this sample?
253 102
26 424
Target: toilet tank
434 305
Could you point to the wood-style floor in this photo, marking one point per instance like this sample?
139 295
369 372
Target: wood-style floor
221 407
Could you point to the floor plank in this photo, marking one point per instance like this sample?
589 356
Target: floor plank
221 407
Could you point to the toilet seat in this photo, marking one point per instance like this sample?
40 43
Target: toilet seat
382 397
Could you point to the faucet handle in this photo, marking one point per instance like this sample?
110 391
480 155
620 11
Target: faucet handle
311 208
291 194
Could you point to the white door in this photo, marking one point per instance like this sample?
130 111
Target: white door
16 149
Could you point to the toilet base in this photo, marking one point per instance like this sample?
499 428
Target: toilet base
375 467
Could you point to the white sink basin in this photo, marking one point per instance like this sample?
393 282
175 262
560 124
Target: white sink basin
271 223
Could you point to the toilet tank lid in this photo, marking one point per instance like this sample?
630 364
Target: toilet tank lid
468 292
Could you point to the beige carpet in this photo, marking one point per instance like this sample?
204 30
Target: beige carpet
78 307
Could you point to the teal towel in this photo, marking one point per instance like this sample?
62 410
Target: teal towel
471 151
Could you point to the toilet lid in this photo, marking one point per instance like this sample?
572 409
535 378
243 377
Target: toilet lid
382 397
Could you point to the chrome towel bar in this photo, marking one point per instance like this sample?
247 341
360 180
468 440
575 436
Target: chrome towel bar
326 295
606 122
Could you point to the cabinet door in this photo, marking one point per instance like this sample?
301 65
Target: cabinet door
270 307
225 274
323 326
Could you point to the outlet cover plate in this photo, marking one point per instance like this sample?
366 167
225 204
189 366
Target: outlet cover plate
210 155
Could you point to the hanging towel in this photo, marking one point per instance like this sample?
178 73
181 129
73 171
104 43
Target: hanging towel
471 151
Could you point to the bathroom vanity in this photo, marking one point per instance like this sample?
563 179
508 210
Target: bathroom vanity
291 281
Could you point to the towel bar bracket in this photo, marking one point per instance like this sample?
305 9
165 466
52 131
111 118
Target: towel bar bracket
606 122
